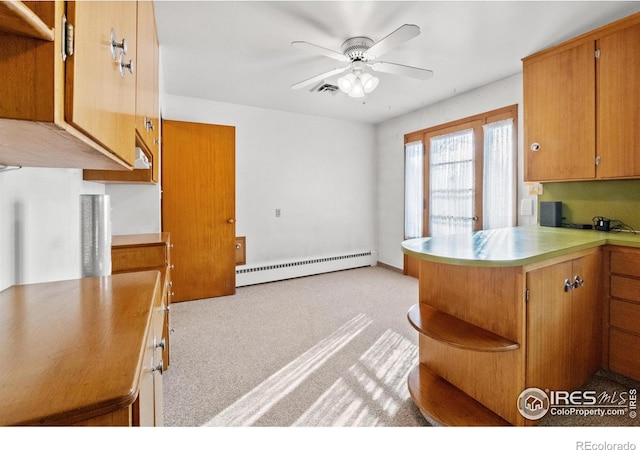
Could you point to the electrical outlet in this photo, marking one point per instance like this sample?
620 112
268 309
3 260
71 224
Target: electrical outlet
278 212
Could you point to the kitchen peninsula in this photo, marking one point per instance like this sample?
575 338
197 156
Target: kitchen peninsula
503 310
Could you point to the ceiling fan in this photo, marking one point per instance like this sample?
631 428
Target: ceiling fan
361 53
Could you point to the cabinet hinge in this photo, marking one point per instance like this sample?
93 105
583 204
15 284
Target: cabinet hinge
597 160
67 38
598 54
526 295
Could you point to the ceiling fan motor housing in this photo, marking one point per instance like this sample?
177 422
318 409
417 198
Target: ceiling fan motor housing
356 48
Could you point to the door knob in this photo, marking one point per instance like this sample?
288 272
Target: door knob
230 221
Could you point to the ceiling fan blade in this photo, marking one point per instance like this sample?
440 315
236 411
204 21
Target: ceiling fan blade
399 69
313 48
397 37
318 78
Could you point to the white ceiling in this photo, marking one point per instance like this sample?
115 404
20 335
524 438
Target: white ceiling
240 51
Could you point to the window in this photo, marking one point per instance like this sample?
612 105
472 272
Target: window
451 183
468 177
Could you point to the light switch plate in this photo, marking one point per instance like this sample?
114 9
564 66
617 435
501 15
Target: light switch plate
526 207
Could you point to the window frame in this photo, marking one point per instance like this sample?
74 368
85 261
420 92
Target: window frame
476 122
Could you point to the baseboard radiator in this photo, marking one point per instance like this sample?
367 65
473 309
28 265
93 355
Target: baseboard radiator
246 275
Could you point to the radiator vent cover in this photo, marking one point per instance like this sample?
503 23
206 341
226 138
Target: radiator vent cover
303 263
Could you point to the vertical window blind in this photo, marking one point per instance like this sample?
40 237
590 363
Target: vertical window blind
413 189
499 178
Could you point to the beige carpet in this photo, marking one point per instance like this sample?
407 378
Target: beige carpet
327 350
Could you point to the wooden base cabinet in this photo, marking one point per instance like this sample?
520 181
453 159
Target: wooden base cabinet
623 318
564 323
471 343
487 333
136 252
82 352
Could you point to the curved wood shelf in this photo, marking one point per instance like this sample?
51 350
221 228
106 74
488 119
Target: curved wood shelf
442 403
446 328
17 18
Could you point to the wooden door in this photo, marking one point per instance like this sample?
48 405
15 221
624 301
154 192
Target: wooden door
198 207
548 328
99 100
559 115
618 100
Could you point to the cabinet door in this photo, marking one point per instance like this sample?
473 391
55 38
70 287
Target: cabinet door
548 335
99 97
586 319
144 406
559 115
564 325
618 104
147 110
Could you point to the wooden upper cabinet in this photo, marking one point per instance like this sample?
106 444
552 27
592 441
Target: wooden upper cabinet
559 125
147 110
618 72
581 106
147 104
77 111
100 76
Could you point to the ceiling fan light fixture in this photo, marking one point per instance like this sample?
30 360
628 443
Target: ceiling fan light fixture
369 82
357 86
346 82
357 91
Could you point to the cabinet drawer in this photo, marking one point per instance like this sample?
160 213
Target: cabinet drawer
625 315
625 263
626 288
623 353
138 258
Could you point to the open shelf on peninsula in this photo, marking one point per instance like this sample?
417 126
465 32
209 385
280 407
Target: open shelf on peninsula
446 328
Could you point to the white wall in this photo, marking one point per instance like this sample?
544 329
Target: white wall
319 172
135 208
339 186
390 145
40 224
